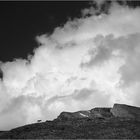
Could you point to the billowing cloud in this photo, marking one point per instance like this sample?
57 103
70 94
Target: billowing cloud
90 61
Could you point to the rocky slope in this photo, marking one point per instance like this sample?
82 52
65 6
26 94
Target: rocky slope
126 111
121 121
91 114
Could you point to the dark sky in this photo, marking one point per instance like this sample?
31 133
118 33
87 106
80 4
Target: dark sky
20 22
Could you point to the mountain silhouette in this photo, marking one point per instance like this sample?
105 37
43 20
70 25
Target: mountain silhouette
119 122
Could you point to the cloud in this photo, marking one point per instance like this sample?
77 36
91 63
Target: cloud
99 2
82 94
123 47
90 61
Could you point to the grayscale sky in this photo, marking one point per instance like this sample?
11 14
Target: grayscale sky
67 57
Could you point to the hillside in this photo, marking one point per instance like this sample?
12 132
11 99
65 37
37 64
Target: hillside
121 121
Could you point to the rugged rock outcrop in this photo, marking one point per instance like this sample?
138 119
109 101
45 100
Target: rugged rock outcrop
118 110
74 115
126 111
91 114
100 112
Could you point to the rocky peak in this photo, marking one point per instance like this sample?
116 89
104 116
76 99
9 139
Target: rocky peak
126 111
118 110
73 115
101 112
93 113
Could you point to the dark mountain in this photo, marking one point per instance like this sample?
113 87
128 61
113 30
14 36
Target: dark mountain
120 122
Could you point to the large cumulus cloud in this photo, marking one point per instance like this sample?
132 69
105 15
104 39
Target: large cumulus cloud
90 61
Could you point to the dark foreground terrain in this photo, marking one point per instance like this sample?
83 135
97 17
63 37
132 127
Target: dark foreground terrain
120 122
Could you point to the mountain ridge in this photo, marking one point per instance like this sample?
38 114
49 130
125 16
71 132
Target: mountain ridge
120 121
